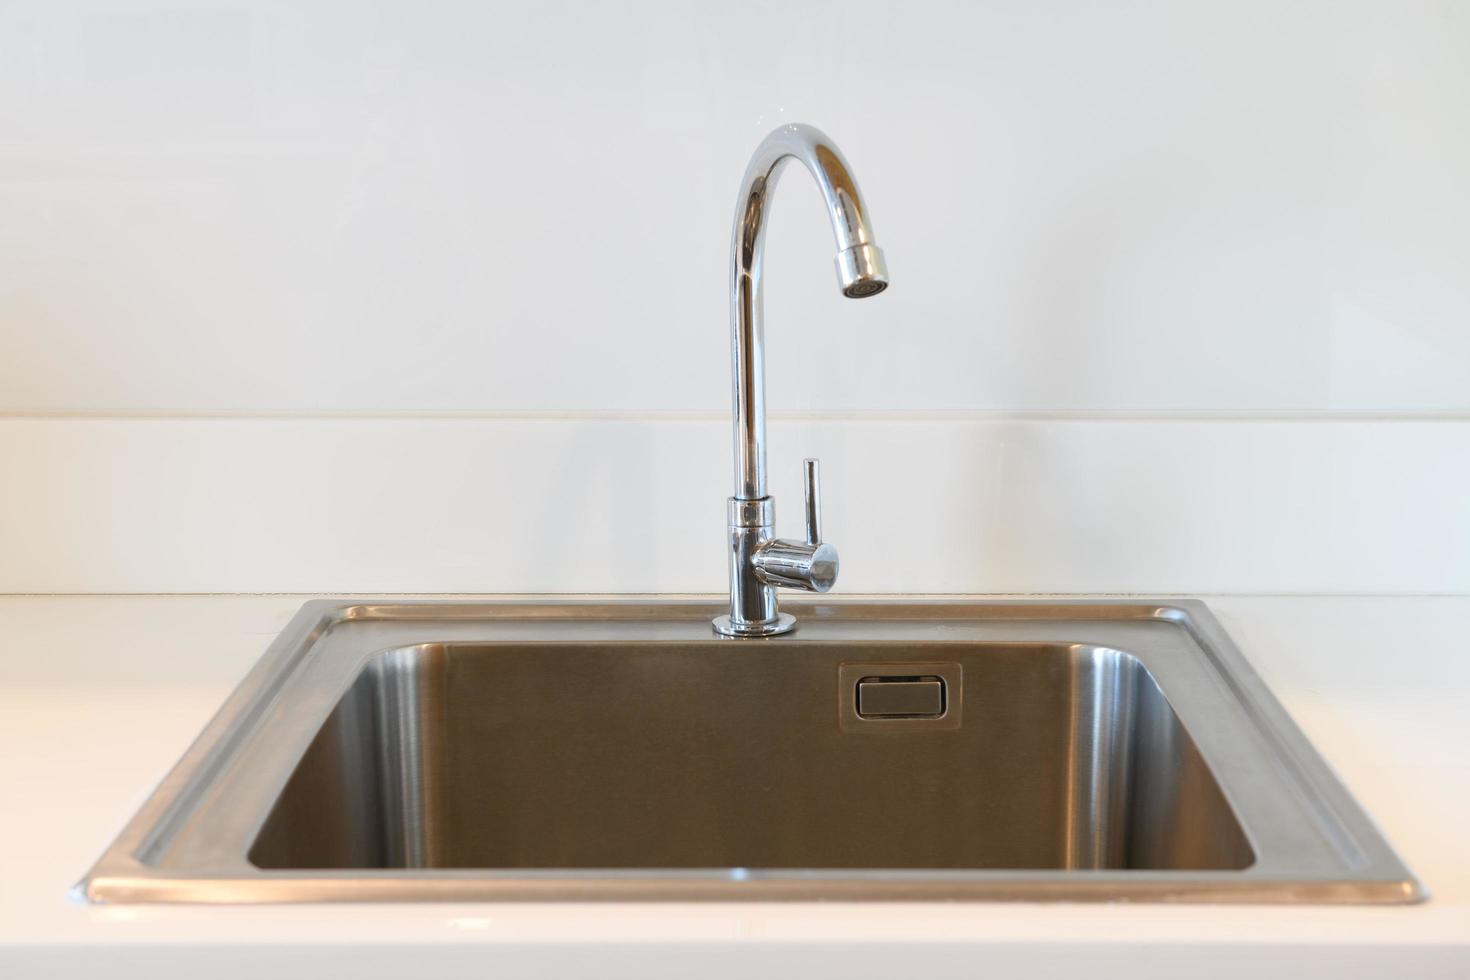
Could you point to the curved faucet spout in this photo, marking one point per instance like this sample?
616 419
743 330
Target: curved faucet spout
760 562
860 272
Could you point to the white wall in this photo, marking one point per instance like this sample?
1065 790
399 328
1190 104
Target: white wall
1181 293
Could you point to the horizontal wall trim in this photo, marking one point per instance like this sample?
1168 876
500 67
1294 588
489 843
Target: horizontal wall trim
717 596
426 506
723 415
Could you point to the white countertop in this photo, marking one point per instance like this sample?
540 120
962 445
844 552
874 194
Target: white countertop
100 695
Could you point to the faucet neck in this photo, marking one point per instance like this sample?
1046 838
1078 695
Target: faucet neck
859 267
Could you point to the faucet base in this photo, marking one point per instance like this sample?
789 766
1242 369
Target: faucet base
725 626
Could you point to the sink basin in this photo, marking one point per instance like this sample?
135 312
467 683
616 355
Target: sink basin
715 755
885 750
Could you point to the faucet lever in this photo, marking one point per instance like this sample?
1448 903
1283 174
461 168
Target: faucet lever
810 565
811 478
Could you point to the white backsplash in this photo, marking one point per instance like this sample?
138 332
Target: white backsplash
469 505
1180 295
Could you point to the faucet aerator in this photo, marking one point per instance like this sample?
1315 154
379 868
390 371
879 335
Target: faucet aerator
862 271
867 287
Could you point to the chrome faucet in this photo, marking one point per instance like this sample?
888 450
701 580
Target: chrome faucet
759 561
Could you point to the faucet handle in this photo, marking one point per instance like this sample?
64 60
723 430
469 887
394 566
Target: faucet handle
811 479
810 565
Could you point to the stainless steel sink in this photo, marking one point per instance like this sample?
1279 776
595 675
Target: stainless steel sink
885 750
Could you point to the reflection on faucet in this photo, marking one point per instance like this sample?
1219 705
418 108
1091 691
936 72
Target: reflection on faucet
759 561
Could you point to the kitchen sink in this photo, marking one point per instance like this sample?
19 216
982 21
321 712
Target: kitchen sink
417 751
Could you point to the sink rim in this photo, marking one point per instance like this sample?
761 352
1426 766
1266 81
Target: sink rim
138 867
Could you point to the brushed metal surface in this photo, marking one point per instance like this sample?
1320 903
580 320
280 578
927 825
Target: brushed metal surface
433 751
704 755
